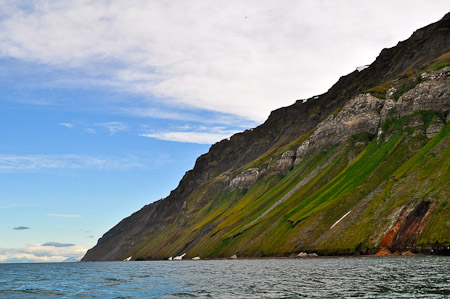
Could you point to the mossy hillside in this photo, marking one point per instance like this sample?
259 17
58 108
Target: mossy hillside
249 207
430 182
426 176
285 185
439 63
280 238
420 155
368 185
186 230
271 226
364 203
344 243
217 226
274 235
355 174
363 230
257 198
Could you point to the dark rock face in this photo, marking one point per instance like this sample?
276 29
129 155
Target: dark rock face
362 113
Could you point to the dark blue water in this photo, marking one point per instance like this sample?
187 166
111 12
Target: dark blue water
414 277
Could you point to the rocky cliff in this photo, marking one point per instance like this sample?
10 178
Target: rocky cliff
344 172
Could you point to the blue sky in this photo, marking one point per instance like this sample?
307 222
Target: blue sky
104 105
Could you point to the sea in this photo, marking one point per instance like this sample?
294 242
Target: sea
349 277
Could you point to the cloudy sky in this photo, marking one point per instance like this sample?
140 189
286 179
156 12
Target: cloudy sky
105 104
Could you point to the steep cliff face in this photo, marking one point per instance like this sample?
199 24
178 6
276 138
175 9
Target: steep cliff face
283 186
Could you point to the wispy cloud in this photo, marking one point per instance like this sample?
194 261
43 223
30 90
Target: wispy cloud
37 162
63 215
67 125
21 228
91 131
113 127
193 116
57 244
16 205
110 127
35 253
190 134
240 57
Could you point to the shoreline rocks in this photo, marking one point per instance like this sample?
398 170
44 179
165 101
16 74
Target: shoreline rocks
305 255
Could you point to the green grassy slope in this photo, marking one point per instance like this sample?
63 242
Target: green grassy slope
370 182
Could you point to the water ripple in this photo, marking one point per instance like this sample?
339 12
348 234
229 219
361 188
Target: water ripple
414 277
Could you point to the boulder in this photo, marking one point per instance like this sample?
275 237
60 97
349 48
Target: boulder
302 254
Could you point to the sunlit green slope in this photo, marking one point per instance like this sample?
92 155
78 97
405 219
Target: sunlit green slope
370 182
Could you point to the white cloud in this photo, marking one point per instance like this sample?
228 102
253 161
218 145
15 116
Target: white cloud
16 205
190 116
37 162
35 253
188 137
193 134
240 57
113 127
91 131
67 125
63 215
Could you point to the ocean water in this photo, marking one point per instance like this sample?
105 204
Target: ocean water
393 277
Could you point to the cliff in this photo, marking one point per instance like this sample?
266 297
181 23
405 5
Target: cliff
361 168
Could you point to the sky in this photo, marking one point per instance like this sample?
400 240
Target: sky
104 105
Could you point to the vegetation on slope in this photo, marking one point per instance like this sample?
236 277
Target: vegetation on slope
354 197
372 182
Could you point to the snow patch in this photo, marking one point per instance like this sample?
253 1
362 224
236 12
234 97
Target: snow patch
361 68
340 219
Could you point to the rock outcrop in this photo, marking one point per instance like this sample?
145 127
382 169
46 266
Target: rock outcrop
435 127
365 113
359 115
245 179
433 94
284 164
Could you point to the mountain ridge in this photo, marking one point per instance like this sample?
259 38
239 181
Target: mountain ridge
286 128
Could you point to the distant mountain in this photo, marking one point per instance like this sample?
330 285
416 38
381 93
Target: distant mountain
361 169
